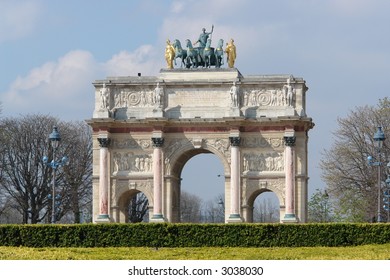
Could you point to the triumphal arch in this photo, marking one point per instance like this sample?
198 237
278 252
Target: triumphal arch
145 129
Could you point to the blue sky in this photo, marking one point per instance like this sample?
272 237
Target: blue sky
51 51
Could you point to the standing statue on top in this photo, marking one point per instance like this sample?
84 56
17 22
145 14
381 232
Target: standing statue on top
158 96
289 92
231 53
169 54
203 37
104 97
234 91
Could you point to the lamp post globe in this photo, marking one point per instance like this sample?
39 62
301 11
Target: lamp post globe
55 138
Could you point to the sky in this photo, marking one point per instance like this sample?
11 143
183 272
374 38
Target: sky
52 50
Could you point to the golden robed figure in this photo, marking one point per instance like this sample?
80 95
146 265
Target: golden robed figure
169 54
231 53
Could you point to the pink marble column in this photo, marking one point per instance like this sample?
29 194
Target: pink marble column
103 178
157 179
235 179
290 178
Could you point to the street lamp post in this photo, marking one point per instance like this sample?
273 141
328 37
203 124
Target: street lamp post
386 194
326 198
379 137
55 139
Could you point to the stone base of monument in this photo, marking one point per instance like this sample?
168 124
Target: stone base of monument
234 218
158 219
103 219
290 219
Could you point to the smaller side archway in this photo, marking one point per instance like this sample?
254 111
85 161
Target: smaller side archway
133 207
263 206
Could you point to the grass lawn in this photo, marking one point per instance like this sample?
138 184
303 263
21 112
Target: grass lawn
366 252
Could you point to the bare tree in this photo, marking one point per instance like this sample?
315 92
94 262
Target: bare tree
138 208
214 210
351 181
265 211
77 191
24 175
190 208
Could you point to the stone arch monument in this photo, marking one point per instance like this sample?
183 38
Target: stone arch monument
146 128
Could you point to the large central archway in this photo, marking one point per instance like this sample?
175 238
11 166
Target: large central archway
202 188
178 160
145 129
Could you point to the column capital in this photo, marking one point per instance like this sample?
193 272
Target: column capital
289 140
235 141
104 142
157 142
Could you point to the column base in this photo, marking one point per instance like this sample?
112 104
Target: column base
103 219
234 218
289 219
158 218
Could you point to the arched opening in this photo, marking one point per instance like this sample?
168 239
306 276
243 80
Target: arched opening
265 207
134 207
202 189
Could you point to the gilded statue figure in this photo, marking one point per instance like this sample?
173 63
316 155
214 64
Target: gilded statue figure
169 54
231 53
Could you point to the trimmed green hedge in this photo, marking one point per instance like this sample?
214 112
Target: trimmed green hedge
194 235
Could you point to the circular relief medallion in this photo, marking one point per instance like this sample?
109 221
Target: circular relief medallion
134 99
264 98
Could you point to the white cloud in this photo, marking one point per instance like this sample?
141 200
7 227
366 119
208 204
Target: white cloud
142 60
18 18
64 87
57 87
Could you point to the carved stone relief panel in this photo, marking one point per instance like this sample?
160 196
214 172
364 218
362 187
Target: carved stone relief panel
262 154
269 97
130 98
265 97
128 161
268 161
132 155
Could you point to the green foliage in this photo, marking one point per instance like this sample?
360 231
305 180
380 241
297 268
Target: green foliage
320 207
350 179
194 235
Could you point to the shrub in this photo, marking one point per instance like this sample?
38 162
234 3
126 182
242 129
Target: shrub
194 235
